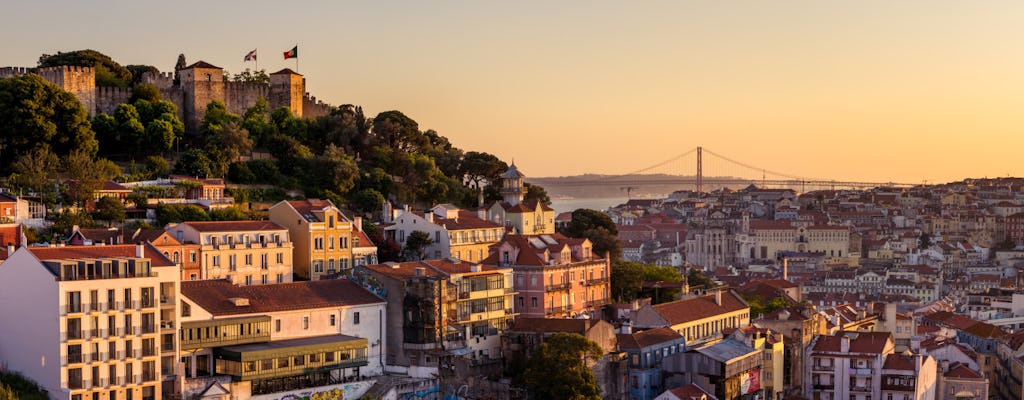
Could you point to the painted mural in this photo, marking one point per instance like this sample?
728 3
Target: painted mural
342 391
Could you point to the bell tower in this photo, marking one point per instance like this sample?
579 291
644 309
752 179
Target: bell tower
512 185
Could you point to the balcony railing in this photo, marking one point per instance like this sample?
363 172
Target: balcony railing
596 281
77 384
557 286
148 376
149 351
72 308
824 386
71 335
558 309
148 329
597 303
137 379
73 359
166 347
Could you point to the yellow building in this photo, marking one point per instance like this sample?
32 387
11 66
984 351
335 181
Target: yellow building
526 217
453 232
245 252
321 234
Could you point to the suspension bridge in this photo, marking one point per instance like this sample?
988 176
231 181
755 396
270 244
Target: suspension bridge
705 170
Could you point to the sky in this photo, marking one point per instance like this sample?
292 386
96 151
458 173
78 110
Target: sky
908 91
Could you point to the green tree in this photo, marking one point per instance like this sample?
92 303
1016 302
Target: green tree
289 152
599 228
559 369
248 75
695 278
110 209
233 213
36 173
138 199
37 114
130 130
138 70
194 162
395 130
168 213
367 201
160 136
479 167
416 246
108 72
537 193
255 120
86 176
627 279
145 91
157 167
924 241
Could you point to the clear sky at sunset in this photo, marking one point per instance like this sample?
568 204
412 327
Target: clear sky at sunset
867 90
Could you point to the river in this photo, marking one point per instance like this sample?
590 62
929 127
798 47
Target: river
599 204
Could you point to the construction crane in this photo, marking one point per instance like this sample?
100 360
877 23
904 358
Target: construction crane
629 190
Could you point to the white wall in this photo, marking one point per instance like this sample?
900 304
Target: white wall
29 321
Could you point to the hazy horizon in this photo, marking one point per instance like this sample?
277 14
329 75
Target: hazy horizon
871 91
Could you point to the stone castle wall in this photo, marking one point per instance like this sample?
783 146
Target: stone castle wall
80 81
108 98
191 95
240 96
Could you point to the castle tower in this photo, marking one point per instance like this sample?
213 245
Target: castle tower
512 185
286 90
202 83
79 81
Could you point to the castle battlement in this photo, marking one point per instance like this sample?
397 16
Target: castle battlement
161 80
113 91
68 68
7 72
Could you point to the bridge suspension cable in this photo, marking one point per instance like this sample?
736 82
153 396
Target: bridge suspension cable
661 164
763 170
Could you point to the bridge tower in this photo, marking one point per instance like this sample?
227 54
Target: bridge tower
700 172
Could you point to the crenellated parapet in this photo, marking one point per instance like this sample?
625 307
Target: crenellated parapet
7 72
312 108
161 80
108 98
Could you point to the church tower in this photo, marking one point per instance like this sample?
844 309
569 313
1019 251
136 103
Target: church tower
512 185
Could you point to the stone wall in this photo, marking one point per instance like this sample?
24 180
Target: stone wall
7 72
286 90
240 96
162 80
312 108
108 98
80 81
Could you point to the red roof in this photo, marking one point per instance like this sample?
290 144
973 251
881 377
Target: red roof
962 371
110 251
647 338
215 295
899 362
682 311
860 342
691 391
232 226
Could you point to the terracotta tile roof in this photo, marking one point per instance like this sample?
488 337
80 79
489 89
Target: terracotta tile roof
434 268
899 362
552 325
201 64
690 392
111 186
860 342
214 296
962 371
364 241
650 337
10 234
985 330
683 311
309 209
466 220
105 235
109 251
150 235
233 226
532 248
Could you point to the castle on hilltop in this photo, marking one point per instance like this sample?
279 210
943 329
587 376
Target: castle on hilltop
198 85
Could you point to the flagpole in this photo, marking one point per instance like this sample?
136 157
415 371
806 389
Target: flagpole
257 60
296 57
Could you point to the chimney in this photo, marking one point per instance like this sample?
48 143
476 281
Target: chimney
844 344
429 216
718 297
140 250
626 328
10 249
785 268
357 224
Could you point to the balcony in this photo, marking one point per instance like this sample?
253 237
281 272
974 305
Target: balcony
557 287
818 367
166 325
558 309
73 359
72 335
147 329
225 332
860 388
596 281
72 308
149 351
291 357
596 303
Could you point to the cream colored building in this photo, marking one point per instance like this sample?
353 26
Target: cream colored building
267 339
525 217
699 319
244 252
91 322
321 235
454 233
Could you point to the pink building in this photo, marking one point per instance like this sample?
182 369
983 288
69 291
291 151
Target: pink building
556 276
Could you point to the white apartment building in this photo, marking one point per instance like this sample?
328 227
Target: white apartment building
264 339
91 322
864 366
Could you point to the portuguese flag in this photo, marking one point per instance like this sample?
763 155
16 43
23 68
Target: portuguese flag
293 53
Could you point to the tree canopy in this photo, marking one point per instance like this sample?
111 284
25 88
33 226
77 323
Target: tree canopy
599 228
559 369
108 72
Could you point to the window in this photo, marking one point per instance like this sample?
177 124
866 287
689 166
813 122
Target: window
74 301
248 280
533 302
280 258
318 266
248 259
264 279
330 243
330 221
305 322
192 256
333 320
280 278
355 318
277 325
520 302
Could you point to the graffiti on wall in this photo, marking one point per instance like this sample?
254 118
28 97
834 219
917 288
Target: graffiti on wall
343 391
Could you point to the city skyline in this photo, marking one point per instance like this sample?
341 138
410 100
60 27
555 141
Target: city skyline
905 92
